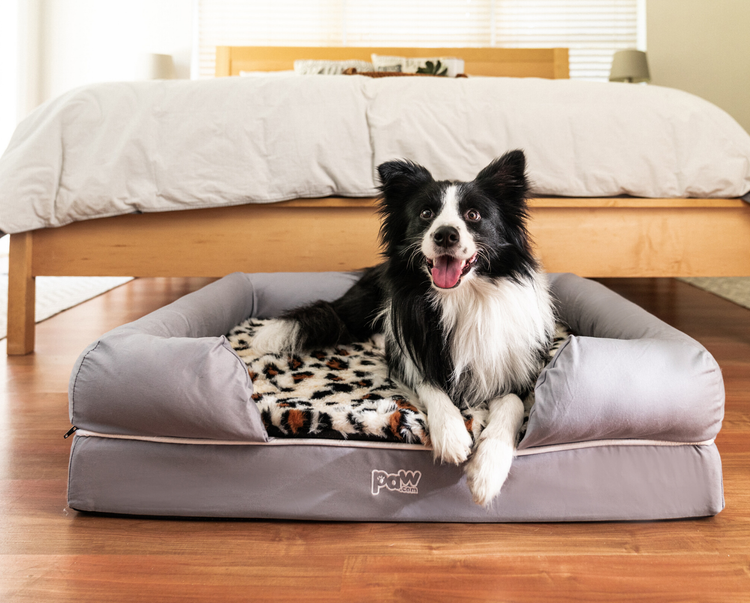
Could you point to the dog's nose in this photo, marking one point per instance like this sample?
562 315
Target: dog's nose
446 236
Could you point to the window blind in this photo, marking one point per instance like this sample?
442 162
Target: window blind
592 29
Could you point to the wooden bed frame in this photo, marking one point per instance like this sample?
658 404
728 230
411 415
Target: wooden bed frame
608 237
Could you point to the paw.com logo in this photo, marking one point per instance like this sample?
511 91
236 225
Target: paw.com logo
403 481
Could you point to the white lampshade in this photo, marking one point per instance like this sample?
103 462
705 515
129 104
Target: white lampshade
629 66
156 67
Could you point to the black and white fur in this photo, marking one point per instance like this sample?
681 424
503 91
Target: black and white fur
462 303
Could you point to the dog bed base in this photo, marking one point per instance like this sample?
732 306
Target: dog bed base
365 482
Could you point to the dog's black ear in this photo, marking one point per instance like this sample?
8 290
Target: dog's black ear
401 178
505 177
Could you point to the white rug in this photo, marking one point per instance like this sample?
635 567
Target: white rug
57 293
735 288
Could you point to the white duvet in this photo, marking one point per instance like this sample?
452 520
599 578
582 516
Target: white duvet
111 149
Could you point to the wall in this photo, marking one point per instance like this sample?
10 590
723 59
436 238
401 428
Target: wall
704 48
8 70
86 41
19 69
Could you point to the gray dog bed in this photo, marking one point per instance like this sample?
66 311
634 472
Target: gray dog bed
169 424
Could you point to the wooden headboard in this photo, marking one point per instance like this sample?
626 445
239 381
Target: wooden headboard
549 63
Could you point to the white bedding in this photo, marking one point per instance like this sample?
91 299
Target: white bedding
109 149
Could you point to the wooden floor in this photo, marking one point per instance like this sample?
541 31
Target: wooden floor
51 553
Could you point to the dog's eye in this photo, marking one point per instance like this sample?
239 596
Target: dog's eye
426 213
473 215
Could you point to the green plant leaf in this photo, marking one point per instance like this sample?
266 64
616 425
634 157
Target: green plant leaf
431 68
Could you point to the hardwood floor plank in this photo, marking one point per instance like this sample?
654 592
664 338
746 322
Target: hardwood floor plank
558 578
167 578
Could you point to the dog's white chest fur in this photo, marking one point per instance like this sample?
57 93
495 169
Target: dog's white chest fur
496 330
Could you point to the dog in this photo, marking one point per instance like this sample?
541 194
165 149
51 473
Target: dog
462 303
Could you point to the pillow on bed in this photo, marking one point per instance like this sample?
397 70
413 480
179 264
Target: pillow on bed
310 67
381 62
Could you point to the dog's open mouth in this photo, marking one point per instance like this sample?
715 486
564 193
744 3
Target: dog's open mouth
447 270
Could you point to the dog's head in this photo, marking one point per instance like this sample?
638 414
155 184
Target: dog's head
455 230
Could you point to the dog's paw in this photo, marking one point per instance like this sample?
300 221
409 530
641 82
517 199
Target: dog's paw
276 337
488 469
451 442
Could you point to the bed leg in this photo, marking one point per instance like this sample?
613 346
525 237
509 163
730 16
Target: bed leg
21 296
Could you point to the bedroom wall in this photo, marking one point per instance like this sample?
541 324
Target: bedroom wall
703 48
8 71
85 41
19 69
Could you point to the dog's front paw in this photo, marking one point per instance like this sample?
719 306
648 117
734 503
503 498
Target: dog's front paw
451 442
276 337
488 469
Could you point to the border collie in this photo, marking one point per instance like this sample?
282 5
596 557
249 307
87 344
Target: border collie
463 305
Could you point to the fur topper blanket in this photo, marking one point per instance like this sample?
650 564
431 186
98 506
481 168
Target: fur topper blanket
341 393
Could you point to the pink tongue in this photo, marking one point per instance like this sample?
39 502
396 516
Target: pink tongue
446 271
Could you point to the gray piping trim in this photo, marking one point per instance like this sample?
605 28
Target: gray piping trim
378 445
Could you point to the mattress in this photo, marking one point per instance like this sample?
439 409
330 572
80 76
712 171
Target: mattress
622 426
114 148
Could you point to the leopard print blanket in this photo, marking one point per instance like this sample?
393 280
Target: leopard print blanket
341 393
